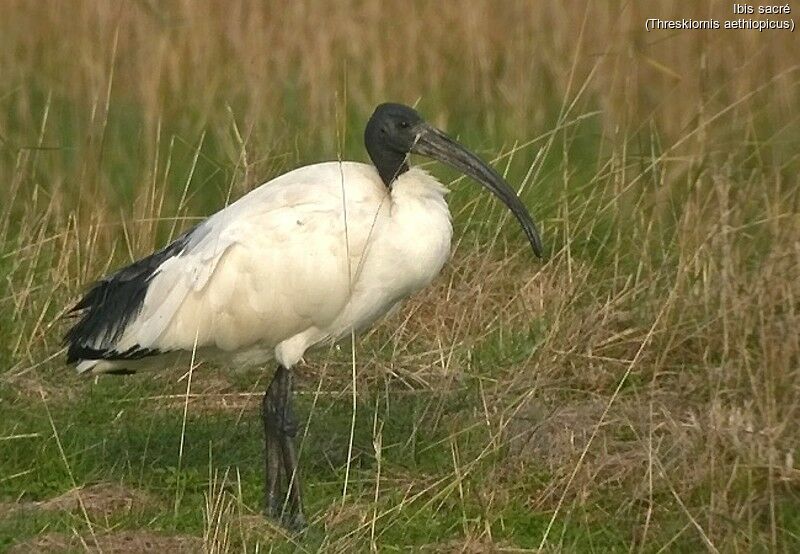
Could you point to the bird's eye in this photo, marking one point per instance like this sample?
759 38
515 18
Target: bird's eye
405 125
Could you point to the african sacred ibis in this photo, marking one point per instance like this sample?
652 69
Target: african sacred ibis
304 259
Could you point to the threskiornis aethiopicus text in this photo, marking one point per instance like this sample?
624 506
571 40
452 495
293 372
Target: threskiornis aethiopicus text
303 260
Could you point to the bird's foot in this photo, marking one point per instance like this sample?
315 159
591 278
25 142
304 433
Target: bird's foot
273 508
294 522
291 520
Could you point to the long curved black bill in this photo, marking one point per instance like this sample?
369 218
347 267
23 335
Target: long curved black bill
435 144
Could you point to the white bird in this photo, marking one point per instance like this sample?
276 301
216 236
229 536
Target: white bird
303 260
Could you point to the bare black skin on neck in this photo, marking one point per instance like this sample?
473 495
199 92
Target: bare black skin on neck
389 136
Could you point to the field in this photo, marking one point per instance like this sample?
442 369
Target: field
636 390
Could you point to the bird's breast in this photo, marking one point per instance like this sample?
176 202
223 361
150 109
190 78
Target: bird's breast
410 244
420 230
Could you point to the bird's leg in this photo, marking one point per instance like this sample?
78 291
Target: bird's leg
290 458
281 430
272 461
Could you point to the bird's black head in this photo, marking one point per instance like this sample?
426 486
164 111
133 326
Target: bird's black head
394 131
389 137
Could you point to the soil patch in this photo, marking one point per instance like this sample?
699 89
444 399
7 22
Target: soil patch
101 500
110 543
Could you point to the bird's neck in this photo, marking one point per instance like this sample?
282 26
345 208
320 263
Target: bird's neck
390 165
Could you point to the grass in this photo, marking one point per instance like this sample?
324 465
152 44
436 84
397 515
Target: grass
637 390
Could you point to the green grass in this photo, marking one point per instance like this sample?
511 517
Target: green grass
110 431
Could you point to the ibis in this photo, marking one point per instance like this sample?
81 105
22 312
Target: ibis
304 260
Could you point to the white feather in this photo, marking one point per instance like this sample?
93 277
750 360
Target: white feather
305 258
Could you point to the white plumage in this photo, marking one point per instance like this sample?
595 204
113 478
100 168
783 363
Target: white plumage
303 259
